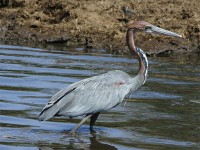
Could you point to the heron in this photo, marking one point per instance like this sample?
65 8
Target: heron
91 96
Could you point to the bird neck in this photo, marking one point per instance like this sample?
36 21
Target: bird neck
143 62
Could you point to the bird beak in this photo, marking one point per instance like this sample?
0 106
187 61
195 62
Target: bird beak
158 30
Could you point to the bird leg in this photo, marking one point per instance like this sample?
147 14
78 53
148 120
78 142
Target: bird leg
78 125
93 119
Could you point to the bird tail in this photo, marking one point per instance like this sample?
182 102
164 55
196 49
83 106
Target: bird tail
48 112
55 104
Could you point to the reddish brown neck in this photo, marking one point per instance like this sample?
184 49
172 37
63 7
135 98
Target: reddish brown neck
130 42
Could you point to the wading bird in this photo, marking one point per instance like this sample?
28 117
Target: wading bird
91 96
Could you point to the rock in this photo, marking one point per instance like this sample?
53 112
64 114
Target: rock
57 39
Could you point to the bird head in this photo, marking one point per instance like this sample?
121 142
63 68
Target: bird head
146 27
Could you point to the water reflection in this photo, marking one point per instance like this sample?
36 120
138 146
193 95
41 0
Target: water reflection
93 144
163 114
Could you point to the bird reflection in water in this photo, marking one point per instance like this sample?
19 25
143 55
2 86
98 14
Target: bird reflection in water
95 144
77 142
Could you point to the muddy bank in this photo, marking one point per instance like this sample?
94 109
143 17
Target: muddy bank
99 24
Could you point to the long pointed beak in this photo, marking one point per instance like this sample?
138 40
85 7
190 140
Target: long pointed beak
158 30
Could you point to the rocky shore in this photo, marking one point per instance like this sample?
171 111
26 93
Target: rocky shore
100 23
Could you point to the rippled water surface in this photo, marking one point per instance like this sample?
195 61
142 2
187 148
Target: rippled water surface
163 114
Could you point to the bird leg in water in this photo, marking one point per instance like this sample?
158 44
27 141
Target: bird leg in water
78 125
93 119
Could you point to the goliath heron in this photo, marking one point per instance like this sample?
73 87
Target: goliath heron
100 93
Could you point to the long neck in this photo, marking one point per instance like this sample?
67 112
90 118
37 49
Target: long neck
143 62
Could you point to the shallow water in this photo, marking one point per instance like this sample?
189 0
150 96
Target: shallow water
163 114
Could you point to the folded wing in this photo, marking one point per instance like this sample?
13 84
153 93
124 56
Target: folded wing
95 94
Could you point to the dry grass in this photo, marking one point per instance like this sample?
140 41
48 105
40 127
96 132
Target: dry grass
102 21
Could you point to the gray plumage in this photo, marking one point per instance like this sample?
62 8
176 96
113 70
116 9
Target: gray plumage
91 95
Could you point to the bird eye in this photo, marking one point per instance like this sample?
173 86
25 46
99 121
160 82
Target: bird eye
147 27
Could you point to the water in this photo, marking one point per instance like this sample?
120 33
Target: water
163 114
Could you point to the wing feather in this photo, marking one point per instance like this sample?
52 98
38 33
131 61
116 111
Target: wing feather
95 94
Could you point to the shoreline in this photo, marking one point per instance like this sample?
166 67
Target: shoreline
100 24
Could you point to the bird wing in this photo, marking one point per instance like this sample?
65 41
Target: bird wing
95 94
